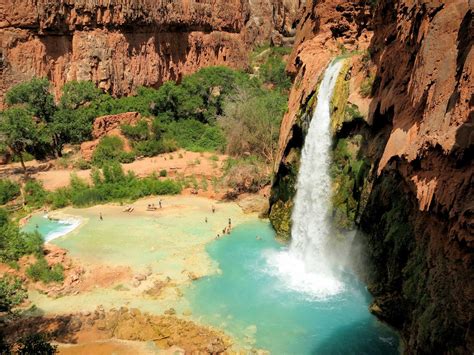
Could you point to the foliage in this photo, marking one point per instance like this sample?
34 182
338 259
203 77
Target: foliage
108 149
82 164
35 95
13 243
12 293
163 173
41 271
251 123
77 94
35 194
195 136
138 132
111 184
19 131
9 190
366 86
36 344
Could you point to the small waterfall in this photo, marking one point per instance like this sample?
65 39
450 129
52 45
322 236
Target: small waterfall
304 267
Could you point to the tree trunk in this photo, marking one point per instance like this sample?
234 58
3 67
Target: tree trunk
20 155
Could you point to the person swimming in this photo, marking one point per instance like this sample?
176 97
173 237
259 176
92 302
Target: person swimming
205 219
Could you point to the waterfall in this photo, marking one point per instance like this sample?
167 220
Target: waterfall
304 267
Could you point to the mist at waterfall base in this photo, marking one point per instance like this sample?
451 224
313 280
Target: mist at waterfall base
296 299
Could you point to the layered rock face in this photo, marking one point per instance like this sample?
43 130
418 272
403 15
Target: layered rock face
123 44
414 210
418 222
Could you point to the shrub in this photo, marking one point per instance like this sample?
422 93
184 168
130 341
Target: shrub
366 86
126 157
139 132
14 244
9 190
41 271
12 293
149 148
82 164
108 149
35 194
163 173
59 198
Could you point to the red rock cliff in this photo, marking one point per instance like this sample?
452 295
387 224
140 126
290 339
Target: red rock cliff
416 212
122 44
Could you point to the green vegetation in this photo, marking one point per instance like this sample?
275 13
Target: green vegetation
12 293
13 243
110 184
366 86
41 271
180 115
9 190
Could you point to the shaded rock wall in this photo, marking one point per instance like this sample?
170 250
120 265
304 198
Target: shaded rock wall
415 211
122 44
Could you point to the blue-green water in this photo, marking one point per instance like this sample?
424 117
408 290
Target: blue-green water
255 306
48 228
251 303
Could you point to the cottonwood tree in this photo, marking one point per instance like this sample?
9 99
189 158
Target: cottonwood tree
19 131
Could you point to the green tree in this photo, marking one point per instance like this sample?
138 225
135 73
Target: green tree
12 293
35 94
9 190
19 131
76 94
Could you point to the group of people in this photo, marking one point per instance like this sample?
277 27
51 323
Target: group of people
227 229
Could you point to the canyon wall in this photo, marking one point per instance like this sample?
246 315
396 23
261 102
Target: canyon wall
405 141
123 44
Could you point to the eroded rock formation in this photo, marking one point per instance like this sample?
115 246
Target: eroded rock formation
415 209
123 44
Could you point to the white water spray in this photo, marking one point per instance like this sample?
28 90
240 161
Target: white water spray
304 267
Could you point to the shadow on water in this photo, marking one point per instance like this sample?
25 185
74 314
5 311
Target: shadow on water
337 343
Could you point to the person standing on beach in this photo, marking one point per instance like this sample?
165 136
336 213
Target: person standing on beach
205 219
100 216
230 223
159 203
213 209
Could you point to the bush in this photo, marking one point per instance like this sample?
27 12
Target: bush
41 271
126 157
366 86
163 173
195 136
82 164
59 198
9 190
108 149
14 244
12 293
139 132
35 194
149 148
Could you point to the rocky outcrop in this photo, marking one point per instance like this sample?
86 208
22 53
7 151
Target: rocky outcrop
123 44
414 210
418 221
109 125
326 29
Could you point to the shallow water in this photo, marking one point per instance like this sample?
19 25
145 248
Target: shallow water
246 298
260 310
50 229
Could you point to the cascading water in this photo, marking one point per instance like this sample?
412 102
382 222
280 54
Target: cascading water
304 266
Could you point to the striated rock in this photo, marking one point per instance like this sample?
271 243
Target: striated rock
123 44
415 206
